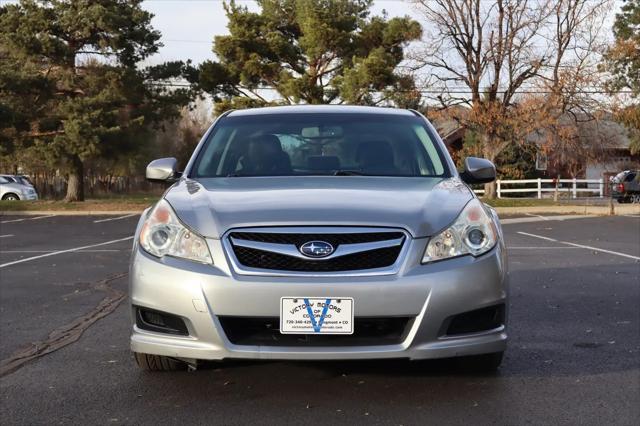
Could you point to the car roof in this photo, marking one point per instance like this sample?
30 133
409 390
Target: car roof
321 109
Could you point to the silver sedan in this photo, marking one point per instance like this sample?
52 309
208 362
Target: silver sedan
14 188
319 233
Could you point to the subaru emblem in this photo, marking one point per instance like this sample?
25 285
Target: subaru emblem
316 249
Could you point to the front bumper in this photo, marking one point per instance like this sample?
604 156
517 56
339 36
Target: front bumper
430 294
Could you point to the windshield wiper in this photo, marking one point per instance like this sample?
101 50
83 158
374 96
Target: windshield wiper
348 173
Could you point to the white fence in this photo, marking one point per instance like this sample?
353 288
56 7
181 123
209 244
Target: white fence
592 187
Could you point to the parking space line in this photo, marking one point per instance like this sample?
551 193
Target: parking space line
540 248
28 218
28 259
52 251
536 215
6 236
537 236
115 218
615 253
539 218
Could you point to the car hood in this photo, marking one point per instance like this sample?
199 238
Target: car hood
422 206
16 186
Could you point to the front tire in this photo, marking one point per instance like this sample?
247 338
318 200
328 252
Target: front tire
149 362
483 363
11 197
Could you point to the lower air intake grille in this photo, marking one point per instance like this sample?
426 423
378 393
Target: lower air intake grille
264 331
476 321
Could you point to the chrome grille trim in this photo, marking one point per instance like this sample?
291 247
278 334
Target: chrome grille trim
292 250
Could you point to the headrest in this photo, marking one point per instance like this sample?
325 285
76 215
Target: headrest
374 153
268 142
322 162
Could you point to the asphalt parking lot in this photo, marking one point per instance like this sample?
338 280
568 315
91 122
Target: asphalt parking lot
573 357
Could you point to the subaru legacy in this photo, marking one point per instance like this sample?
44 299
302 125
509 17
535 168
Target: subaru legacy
318 233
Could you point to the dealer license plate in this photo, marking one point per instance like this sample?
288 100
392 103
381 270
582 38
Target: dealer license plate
316 315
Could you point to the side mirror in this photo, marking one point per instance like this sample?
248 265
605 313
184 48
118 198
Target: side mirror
478 170
163 170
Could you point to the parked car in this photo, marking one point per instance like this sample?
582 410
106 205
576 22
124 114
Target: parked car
16 187
625 186
318 233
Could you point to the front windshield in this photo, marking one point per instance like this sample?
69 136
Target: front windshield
320 144
24 180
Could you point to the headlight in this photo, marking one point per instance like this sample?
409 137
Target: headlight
472 233
162 234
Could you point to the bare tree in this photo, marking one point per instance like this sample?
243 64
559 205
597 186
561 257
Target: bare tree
577 134
507 60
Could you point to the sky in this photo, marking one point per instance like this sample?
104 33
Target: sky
188 26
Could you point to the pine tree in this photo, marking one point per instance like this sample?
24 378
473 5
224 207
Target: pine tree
310 51
69 84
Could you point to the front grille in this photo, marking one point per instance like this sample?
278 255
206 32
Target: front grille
268 260
367 260
264 331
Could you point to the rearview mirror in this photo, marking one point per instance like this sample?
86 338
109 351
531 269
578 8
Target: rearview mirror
478 170
323 132
163 170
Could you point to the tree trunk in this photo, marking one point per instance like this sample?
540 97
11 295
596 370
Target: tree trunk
490 190
75 184
489 153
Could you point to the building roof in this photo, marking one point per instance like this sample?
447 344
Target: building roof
604 132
